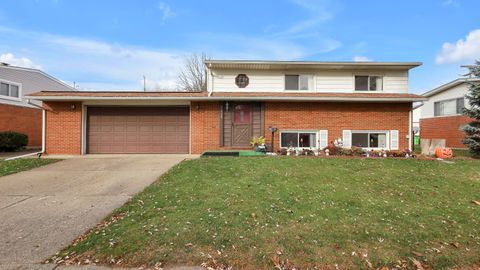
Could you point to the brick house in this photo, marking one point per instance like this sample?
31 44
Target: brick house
441 115
311 104
18 114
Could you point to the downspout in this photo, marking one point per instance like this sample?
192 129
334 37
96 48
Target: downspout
410 129
44 113
211 85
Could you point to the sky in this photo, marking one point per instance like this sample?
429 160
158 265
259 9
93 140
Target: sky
112 44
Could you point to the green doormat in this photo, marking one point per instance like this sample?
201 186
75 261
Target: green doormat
232 153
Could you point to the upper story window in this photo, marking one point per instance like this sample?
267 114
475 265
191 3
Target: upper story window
9 90
298 82
449 107
368 83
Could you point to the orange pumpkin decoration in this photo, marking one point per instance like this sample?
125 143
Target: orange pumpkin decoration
444 153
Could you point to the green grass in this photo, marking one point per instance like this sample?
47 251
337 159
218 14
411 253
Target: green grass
22 164
244 212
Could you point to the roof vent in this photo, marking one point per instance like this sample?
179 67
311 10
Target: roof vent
4 64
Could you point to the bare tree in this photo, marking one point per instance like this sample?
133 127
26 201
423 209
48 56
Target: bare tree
193 76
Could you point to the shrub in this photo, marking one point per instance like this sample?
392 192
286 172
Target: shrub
307 152
395 153
332 150
12 141
357 151
256 141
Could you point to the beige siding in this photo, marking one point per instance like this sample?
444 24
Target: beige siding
394 81
334 81
260 81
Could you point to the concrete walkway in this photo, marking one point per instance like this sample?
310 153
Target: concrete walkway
44 209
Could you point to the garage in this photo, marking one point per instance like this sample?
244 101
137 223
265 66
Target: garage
115 130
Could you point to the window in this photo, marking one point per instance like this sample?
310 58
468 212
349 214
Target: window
298 139
241 114
9 90
369 139
298 82
368 83
449 107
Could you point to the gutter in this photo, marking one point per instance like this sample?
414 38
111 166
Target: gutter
230 98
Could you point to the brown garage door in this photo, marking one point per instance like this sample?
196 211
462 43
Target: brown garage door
138 130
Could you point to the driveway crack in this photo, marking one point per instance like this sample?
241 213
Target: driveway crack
17 202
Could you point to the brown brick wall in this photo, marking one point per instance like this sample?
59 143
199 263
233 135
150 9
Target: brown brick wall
63 128
205 126
307 115
336 117
63 135
23 120
447 128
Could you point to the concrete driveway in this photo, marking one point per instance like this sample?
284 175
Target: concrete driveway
44 209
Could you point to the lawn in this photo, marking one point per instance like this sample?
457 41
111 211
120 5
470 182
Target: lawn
258 213
22 164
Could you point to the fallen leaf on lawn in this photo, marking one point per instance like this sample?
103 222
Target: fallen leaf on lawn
417 264
476 202
189 245
418 254
254 215
457 245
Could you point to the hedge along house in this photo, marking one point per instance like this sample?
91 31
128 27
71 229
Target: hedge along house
311 104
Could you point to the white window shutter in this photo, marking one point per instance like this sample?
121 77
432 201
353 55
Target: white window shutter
323 138
393 139
347 139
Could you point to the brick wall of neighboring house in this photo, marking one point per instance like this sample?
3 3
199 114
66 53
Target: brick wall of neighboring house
205 126
63 128
447 128
23 120
336 117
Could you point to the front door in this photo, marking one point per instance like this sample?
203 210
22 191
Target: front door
242 125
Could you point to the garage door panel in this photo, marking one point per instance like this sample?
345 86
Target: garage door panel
138 130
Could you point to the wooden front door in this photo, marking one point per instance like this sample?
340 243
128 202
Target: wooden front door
241 125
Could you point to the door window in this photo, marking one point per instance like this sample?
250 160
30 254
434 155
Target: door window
241 114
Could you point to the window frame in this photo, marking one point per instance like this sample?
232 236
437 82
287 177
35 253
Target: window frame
368 132
19 85
448 100
310 84
316 132
368 83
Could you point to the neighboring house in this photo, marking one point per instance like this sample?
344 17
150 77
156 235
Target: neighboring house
417 113
441 114
311 104
16 114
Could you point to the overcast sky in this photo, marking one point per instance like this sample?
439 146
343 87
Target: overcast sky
111 44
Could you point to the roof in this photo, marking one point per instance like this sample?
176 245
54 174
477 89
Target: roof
217 96
56 82
449 85
281 65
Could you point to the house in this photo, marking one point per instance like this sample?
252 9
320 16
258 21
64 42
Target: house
441 115
308 104
16 112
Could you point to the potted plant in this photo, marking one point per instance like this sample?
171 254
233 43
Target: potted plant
258 143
